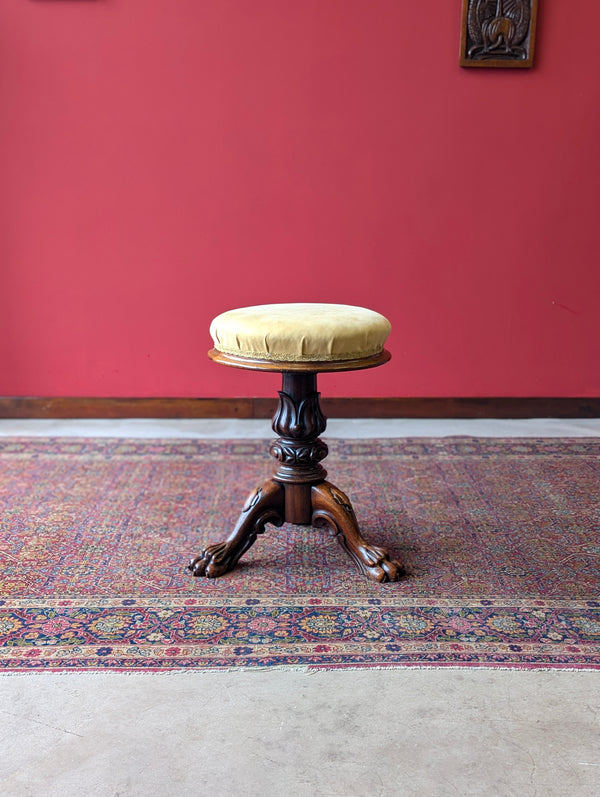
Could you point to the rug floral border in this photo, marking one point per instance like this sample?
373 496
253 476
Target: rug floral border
131 633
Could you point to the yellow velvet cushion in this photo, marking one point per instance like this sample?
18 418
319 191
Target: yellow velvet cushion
300 332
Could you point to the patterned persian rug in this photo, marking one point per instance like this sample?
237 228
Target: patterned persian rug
501 539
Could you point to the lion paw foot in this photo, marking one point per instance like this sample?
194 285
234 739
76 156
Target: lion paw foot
376 564
213 562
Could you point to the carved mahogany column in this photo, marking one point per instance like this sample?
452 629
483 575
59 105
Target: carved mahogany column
299 421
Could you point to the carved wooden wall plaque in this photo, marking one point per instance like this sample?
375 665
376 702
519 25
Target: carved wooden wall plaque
498 33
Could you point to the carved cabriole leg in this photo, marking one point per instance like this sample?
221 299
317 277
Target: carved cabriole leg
331 507
264 505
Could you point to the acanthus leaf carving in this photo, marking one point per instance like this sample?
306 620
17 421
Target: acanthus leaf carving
299 421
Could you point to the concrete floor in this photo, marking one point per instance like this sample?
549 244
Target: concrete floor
288 732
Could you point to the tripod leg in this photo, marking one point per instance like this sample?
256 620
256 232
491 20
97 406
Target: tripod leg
331 507
264 505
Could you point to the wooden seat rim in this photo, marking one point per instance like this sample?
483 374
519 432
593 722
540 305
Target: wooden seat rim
303 366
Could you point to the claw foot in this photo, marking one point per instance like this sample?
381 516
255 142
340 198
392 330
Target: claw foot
213 562
375 563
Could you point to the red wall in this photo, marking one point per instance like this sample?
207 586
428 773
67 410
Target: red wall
162 161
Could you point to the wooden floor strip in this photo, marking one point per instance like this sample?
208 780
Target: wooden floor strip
389 407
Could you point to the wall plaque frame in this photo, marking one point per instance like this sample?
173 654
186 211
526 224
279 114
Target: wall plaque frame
498 33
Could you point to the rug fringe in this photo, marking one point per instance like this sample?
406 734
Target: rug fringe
305 670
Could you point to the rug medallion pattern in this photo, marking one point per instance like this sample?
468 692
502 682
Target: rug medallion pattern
501 539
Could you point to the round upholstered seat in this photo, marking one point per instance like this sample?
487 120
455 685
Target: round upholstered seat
301 335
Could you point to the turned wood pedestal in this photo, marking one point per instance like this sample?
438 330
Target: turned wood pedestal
298 491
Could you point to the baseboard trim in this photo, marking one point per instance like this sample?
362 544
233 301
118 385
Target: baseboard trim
393 407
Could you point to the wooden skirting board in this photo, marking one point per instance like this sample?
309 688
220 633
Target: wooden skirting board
399 407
